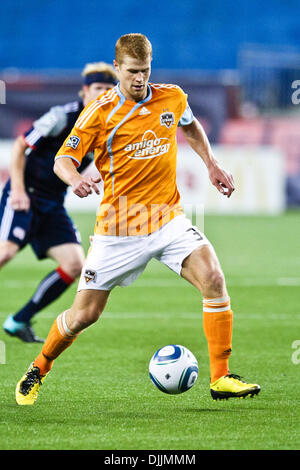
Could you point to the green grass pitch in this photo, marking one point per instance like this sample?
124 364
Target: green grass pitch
99 395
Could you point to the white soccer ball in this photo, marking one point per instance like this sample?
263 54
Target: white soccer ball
173 369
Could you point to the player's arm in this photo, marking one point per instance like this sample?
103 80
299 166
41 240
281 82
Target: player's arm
197 139
82 185
81 141
19 199
52 124
49 124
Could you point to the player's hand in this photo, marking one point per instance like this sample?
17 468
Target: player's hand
222 180
86 185
19 200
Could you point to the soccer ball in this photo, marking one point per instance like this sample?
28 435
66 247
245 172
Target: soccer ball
173 369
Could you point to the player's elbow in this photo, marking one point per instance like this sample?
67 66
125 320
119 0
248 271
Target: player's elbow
60 167
20 143
56 167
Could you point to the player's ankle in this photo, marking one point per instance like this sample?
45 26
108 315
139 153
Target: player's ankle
43 363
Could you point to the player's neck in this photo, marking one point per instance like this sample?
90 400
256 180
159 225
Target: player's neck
130 97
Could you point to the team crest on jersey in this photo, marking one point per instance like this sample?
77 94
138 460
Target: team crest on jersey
73 142
89 275
167 119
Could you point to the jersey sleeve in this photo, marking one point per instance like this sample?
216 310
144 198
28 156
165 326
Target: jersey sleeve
51 124
187 117
84 135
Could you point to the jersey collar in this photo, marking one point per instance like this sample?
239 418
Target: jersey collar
148 97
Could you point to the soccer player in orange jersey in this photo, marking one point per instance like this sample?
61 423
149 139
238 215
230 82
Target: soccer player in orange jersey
132 131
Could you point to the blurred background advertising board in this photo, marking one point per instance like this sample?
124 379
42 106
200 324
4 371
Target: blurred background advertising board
258 173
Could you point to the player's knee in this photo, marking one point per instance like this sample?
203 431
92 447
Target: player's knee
85 318
73 267
216 282
7 252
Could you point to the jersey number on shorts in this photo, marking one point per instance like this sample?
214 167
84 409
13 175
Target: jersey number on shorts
196 233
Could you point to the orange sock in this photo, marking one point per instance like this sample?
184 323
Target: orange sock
58 339
217 323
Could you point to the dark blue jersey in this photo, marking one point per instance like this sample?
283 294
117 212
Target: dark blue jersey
45 138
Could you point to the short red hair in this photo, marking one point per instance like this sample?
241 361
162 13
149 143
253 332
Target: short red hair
134 45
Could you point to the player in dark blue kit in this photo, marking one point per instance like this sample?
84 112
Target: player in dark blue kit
31 207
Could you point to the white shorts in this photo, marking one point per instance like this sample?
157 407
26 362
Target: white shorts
118 261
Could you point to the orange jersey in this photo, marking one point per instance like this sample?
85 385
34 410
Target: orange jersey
135 152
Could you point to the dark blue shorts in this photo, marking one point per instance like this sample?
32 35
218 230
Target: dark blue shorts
44 226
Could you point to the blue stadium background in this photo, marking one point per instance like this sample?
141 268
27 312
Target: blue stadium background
190 34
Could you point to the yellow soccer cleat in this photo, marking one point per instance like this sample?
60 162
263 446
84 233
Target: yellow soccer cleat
28 387
230 386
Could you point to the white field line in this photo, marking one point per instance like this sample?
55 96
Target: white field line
247 281
178 283
291 317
